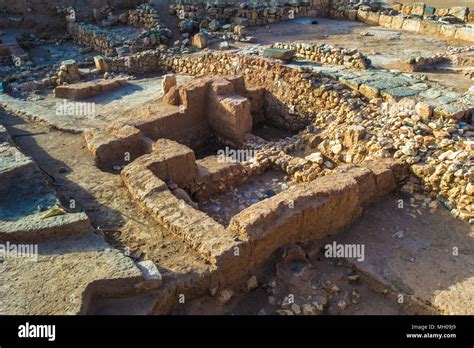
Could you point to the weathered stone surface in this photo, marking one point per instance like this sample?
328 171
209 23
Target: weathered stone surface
83 90
200 41
459 12
276 53
385 21
465 33
411 25
169 80
171 161
395 94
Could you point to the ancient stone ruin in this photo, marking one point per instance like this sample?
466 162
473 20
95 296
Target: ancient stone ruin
184 157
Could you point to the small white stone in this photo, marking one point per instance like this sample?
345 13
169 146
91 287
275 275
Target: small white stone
149 270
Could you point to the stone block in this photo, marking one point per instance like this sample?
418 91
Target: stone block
373 18
395 94
406 10
465 33
459 12
470 17
429 28
411 25
454 110
278 53
397 22
418 9
369 91
441 11
385 21
447 31
362 15
169 80
78 91
429 11
199 41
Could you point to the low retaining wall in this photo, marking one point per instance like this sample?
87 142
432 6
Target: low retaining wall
324 53
417 18
209 15
108 43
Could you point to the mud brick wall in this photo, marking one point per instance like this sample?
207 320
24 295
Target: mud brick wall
301 93
215 176
319 208
324 53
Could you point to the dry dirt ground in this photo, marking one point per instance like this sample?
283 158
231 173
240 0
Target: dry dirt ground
69 167
386 48
408 262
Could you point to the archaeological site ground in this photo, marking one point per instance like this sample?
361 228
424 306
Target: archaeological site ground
190 157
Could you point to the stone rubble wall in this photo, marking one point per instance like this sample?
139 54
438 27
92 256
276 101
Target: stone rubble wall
148 18
138 63
199 14
92 36
105 42
324 53
302 94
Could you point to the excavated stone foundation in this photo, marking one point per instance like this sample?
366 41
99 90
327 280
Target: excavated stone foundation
156 156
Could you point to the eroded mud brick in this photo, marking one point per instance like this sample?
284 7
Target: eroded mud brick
173 162
118 145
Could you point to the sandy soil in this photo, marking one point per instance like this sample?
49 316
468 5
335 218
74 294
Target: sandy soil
69 166
412 263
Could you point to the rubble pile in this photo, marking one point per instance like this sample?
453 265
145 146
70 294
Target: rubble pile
438 151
